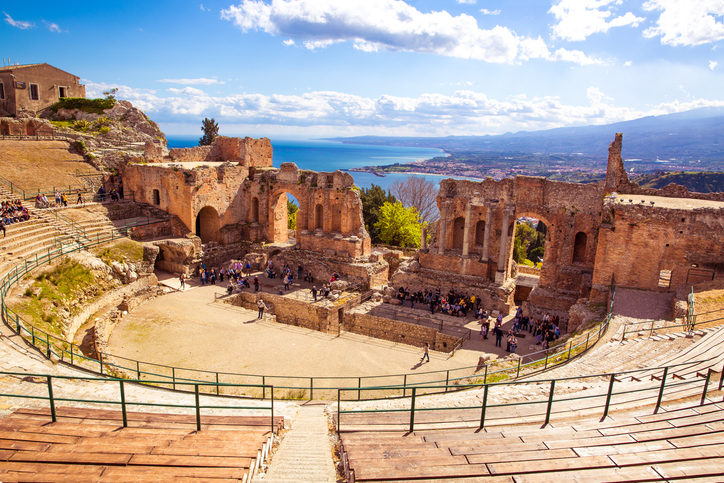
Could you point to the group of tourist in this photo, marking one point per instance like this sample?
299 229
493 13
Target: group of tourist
454 303
115 194
12 212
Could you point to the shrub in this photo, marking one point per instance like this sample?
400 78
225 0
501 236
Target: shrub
81 125
94 106
104 130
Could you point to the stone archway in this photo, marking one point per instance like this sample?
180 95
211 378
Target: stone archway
278 215
207 224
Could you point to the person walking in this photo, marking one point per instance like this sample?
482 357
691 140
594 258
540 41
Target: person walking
182 279
79 201
498 337
262 306
256 284
314 292
425 353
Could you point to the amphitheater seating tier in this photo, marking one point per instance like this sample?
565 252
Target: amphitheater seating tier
87 445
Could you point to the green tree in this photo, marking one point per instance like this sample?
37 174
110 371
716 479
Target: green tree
211 131
525 237
398 225
111 93
372 200
292 210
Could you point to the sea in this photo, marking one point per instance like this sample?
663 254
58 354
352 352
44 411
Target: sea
320 155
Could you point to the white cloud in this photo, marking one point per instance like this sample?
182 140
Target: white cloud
18 23
713 64
537 49
200 81
464 112
628 63
470 2
374 25
202 8
485 11
578 19
687 23
53 27
288 42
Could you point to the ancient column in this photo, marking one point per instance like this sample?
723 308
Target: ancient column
443 228
488 229
423 239
466 230
503 254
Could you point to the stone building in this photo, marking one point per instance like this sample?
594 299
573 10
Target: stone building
228 194
597 234
33 87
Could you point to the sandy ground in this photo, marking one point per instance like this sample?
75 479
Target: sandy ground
190 329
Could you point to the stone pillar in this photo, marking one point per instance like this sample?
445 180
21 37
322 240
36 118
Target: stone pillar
466 231
423 239
488 229
503 254
312 213
443 227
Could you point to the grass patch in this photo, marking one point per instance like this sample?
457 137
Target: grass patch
93 106
120 251
56 289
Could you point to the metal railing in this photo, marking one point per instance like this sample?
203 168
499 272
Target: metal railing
686 379
123 402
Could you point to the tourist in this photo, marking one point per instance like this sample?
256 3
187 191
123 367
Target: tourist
425 353
498 336
79 201
287 281
262 307
256 284
182 279
2 227
300 269
64 200
483 332
513 344
248 268
314 292
57 198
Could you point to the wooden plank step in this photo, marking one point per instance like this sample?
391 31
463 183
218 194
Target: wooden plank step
695 469
635 428
433 472
409 462
71 458
623 448
637 474
23 445
442 436
599 441
672 433
240 451
107 448
475 479
523 456
121 440
552 465
58 478
195 461
52 468
387 452
38 437
189 472
460 448
669 456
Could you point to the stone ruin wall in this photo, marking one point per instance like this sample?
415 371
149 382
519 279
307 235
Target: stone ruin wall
637 242
26 127
248 152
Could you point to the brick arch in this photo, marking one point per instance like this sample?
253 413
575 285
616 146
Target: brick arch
277 231
550 254
207 224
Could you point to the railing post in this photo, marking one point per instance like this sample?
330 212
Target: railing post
359 388
661 389
339 406
546 364
123 405
263 387
570 347
198 408
173 377
404 386
706 387
47 345
550 403
138 371
51 399
608 396
485 376
311 388
587 338
517 374
721 379
71 353
485 406
447 379
100 361
217 383
412 410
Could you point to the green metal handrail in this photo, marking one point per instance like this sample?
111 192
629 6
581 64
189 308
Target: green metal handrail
549 400
124 403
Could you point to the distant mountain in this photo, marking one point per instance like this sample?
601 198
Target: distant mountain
693 135
704 182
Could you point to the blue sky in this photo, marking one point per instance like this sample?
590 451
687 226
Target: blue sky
386 67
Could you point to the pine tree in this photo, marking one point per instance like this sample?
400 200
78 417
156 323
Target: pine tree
211 131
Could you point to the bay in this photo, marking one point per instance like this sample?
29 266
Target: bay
318 155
